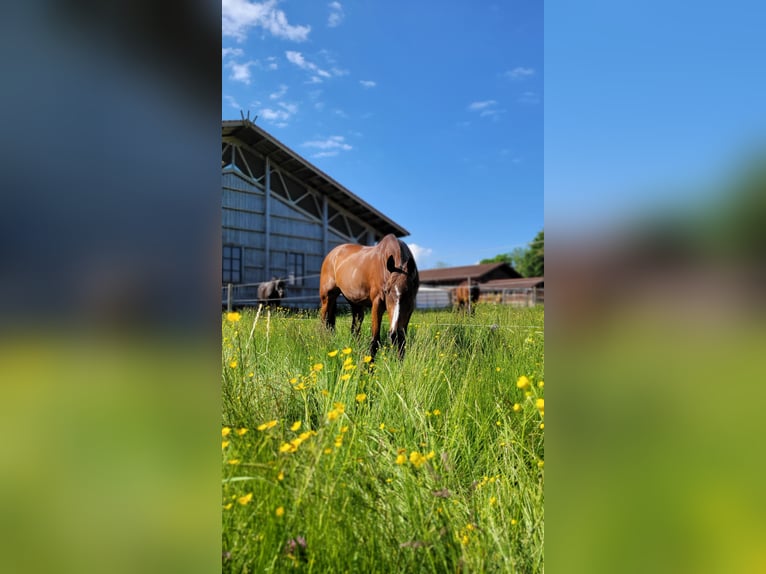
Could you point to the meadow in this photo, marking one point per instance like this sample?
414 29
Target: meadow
431 464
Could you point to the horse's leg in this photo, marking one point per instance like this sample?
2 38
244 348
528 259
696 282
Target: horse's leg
329 300
378 307
357 313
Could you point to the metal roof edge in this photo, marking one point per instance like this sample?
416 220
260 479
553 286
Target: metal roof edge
247 124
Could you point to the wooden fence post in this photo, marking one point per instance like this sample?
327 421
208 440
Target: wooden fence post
228 297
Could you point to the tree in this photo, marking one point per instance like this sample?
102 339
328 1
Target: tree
528 261
534 258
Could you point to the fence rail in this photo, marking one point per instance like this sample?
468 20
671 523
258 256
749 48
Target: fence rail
246 295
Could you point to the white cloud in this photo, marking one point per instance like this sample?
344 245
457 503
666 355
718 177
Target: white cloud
317 74
368 83
240 72
528 98
486 109
231 52
279 116
336 14
328 147
419 252
520 72
232 102
280 93
475 106
238 16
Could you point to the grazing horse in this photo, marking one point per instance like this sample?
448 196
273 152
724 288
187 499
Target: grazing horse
465 295
382 277
271 292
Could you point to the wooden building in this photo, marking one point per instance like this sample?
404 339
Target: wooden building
454 276
281 215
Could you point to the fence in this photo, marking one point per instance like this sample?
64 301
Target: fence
307 297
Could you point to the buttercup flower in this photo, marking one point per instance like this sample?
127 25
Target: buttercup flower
245 499
360 398
233 317
523 382
332 353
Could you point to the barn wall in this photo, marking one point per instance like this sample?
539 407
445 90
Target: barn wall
296 226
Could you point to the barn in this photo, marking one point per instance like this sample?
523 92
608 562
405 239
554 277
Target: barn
499 282
281 215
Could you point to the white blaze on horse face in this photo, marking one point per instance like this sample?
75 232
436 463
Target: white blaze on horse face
395 314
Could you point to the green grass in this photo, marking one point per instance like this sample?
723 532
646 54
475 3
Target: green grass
419 465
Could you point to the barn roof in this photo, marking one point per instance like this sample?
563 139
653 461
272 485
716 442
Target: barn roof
524 283
480 273
300 168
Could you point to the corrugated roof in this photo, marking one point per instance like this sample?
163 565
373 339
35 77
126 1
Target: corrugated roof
300 168
456 275
524 283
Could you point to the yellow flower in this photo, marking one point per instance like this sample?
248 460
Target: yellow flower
401 459
233 364
241 431
361 397
430 455
523 382
540 404
325 392
333 415
492 500
516 407
293 381
347 351
514 522
339 407
281 475
295 426
280 511
541 384
540 464
234 461
497 369
224 444
300 387
367 358
345 377
542 426
327 450
251 375
287 447
225 431
416 459
339 441
437 412
317 367
228 506
268 425
332 353
382 426
245 499
233 317
344 429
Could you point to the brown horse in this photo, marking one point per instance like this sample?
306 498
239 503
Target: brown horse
382 277
465 296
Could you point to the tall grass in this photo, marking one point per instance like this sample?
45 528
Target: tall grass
420 465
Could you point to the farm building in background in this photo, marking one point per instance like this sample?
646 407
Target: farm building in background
281 215
498 283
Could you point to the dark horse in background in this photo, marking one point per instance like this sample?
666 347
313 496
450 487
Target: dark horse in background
271 292
383 277
464 295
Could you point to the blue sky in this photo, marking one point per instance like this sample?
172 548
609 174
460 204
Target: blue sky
430 111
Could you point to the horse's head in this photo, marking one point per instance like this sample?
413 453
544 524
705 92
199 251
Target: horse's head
400 288
278 288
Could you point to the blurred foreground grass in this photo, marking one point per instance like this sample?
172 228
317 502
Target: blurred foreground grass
106 457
